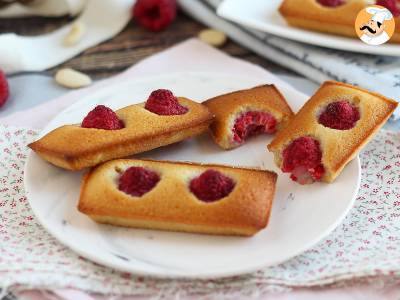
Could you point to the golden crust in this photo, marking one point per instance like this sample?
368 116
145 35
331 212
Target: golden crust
73 147
227 107
338 146
309 14
171 206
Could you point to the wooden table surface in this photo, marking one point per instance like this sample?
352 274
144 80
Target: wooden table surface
130 46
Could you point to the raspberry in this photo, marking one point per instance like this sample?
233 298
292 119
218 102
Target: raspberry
102 117
340 115
154 14
253 123
211 185
163 102
390 5
302 158
4 89
331 3
137 181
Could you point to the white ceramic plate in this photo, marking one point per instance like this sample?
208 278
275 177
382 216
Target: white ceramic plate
263 15
301 215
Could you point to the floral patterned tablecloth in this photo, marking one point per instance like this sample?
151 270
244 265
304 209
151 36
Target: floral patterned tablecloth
366 244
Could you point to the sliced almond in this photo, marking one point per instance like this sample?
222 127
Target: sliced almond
72 79
213 37
76 33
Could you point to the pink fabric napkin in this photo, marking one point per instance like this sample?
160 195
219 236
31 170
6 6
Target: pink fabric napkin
194 56
190 55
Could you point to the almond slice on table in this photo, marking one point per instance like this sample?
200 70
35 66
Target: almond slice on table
72 79
75 34
213 37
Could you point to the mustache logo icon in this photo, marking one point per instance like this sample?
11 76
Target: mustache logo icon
368 28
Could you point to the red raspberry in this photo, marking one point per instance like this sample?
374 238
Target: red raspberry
390 5
253 123
137 181
4 89
302 158
211 185
331 3
340 115
163 102
154 14
102 117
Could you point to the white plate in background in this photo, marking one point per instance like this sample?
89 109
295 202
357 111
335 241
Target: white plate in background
263 15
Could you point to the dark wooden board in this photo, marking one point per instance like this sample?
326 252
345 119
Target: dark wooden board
130 46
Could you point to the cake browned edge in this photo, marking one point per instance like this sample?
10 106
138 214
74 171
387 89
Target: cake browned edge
334 172
218 136
91 158
296 19
171 226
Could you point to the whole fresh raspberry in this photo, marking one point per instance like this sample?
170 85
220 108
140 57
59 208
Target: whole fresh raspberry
137 181
211 185
154 14
340 115
331 3
163 102
302 158
102 117
4 89
253 123
390 5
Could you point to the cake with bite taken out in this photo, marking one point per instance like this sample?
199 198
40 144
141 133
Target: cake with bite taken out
328 131
245 113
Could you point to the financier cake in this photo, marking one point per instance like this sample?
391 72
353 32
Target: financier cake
179 196
334 16
245 113
104 134
329 131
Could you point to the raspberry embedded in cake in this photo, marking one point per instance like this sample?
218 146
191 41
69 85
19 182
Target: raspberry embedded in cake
390 5
163 102
302 158
331 3
211 186
102 117
253 123
137 181
340 115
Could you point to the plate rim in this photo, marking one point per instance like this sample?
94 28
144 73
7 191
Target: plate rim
311 37
213 274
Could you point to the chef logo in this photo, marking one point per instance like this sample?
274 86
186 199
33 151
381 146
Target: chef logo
374 25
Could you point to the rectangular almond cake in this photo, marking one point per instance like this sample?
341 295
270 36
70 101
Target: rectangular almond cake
189 197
